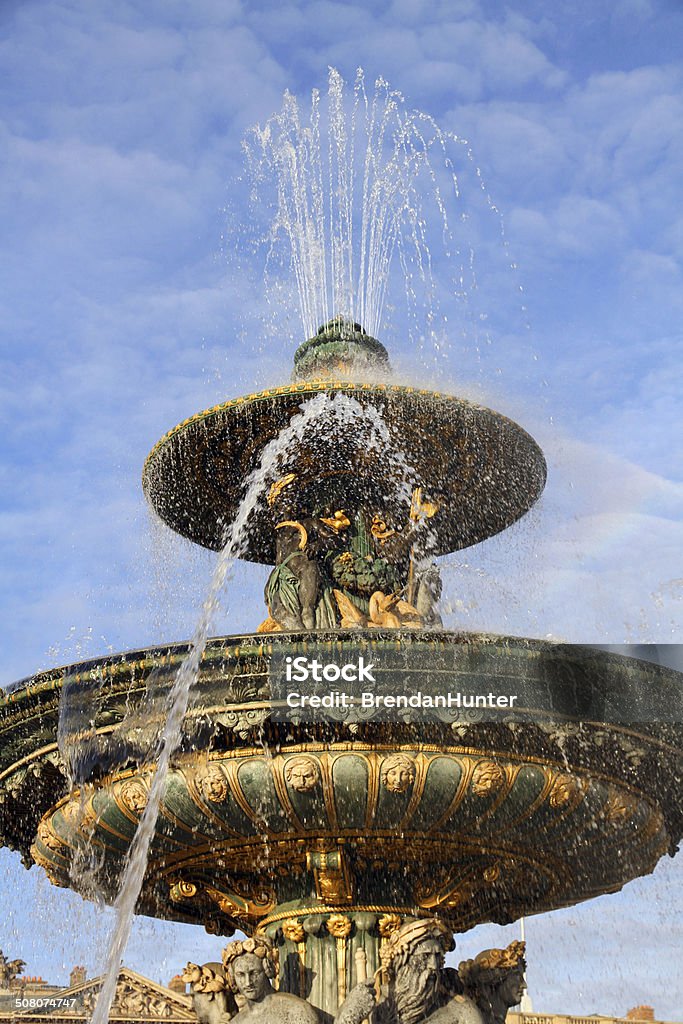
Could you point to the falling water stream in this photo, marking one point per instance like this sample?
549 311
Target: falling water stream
326 414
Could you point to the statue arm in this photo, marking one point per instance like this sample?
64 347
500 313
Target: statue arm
458 1010
358 1005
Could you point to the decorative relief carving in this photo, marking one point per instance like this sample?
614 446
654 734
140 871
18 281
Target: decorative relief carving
447 891
337 522
293 931
212 784
235 904
302 773
182 890
133 1000
333 880
339 926
242 722
389 923
564 789
380 530
620 806
397 773
49 838
488 777
492 873
133 796
278 487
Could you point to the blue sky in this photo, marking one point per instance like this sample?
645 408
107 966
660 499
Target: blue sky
125 308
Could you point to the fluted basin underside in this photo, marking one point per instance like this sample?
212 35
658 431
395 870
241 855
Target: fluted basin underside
481 469
472 816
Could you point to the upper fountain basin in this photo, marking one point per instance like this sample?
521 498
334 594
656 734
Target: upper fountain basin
482 470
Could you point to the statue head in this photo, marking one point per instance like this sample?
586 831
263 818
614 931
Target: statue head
250 965
397 773
213 784
413 958
134 796
191 974
301 773
495 979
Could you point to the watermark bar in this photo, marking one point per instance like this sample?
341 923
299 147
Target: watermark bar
450 682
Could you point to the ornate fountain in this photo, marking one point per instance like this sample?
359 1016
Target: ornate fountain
523 776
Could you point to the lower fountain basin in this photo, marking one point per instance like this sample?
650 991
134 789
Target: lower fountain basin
470 814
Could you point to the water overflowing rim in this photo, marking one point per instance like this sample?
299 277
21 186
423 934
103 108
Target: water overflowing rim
315 387
235 646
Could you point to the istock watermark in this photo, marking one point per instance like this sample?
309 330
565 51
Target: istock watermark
416 679
301 669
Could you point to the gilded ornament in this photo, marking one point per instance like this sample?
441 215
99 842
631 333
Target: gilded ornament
269 625
233 904
455 898
182 890
331 874
213 784
134 796
397 773
337 522
351 616
302 773
564 789
487 777
303 532
380 530
619 806
278 487
339 926
293 931
390 611
49 839
389 923
421 509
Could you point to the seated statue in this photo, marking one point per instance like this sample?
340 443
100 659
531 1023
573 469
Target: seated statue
417 989
250 966
212 1000
9 970
495 980
296 591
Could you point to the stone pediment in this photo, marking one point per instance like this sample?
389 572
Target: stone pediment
137 999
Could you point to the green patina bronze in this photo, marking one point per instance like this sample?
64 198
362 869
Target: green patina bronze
340 346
